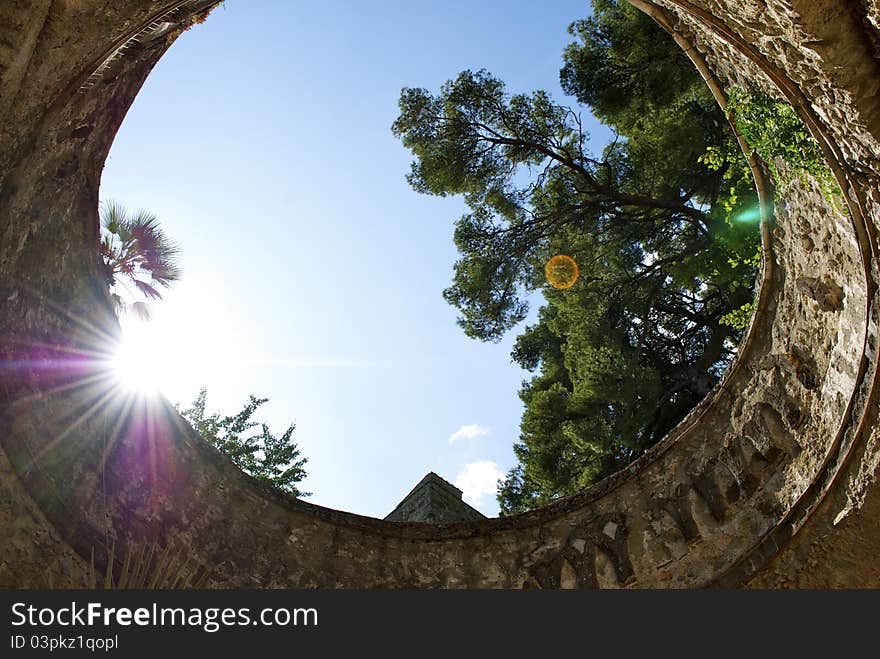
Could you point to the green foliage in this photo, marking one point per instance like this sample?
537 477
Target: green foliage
772 128
625 353
268 457
473 139
476 140
638 81
137 256
739 318
584 411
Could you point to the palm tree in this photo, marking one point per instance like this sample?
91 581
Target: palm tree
136 252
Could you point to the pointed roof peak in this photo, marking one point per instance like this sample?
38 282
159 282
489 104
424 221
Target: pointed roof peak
434 500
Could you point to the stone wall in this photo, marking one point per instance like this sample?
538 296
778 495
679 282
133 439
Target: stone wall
773 471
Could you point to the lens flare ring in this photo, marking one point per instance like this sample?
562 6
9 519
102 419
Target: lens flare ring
561 271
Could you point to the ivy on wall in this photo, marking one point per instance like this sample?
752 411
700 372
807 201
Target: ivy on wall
772 129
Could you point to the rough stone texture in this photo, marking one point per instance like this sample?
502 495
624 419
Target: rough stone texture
32 553
773 472
434 500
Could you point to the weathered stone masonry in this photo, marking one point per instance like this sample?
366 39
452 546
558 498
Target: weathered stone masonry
769 482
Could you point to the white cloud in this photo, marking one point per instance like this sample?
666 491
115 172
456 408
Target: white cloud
477 479
471 431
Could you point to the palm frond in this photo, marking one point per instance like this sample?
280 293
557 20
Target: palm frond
119 302
112 213
142 309
164 273
147 289
136 249
144 228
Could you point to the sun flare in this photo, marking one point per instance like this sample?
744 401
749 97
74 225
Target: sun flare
186 344
138 368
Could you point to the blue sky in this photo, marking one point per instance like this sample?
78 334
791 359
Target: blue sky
312 272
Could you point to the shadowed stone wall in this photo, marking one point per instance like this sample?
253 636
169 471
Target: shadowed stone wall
773 472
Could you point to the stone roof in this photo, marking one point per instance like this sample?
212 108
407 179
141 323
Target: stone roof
434 501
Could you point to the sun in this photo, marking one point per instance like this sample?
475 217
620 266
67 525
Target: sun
149 360
189 342
138 367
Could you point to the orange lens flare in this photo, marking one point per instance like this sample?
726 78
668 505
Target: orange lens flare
561 271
